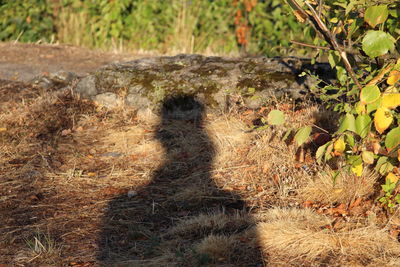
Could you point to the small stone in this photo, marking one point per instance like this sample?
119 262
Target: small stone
66 132
108 100
111 154
132 193
87 86
137 101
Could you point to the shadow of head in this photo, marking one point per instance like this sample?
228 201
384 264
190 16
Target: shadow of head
182 107
181 188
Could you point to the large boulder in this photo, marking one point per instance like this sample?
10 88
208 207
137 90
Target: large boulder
145 83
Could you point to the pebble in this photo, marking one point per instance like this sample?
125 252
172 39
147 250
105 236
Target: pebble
132 193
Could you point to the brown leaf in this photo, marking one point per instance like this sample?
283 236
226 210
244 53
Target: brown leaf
355 203
308 204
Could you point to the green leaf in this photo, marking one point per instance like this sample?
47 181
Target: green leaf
341 74
375 15
363 125
392 138
333 58
276 117
383 166
302 135
368 157
374 106
320 152
354 160
350 139
370 94
348 123
288 132
377 43
328 152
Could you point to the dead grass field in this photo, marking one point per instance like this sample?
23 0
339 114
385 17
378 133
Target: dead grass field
81 185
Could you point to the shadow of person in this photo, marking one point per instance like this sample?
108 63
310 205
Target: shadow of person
137 230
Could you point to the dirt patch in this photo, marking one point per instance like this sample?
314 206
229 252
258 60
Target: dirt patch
23 62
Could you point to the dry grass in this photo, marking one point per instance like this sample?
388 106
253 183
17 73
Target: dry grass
111 188
345 188
301 237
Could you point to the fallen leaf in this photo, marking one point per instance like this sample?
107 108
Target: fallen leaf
339 210
355 203
308 204
3 129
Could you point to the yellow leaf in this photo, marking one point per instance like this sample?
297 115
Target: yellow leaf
3 129
357 170
91 174
392 177
339 146
394 77
360 108
337 30
391 100
382 120
398 155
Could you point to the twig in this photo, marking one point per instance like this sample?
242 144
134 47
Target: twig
310 45
332 40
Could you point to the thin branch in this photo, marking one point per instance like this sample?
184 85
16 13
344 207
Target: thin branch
332 40
310 45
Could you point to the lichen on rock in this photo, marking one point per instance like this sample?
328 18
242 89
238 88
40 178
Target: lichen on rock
145 83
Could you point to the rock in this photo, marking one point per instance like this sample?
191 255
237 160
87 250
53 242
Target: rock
55 80
138 101
109 100
87 86
145 83
132 193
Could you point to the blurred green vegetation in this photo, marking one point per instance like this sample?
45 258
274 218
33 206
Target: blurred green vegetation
188 26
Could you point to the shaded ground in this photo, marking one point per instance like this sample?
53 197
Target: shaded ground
82 185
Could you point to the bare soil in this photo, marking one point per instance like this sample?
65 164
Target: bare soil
82 185
23 62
